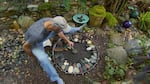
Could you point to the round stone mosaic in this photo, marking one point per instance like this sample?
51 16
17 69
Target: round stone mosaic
79 59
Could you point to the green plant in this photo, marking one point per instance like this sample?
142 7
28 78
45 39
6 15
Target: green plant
81 4
98 11
88 30
45 6
111 45
115 6
113 70
144 21
67 4
97 14
112 21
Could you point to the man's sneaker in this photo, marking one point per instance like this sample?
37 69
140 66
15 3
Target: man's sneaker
60 81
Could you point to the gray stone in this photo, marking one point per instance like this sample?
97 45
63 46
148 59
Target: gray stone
78 65
118 53
76 70
33 7
116 39
3 8
147 44
12 9
133 47
92 60
25 21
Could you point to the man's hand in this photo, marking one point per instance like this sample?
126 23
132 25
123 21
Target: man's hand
70 43
61 35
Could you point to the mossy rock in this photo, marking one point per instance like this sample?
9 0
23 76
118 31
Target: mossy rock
25 21
97 14
98 11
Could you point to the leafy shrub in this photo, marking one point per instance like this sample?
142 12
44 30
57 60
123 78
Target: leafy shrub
144 23
112 21
113 70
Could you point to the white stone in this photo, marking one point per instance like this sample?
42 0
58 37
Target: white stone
1 39
86 59
92 46
50 58
66 63
89 48
93 57
76 70
70 69
46 1
63 67
89 42
75 39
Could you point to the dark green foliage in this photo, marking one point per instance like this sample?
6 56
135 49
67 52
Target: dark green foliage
67 4
144 21
112 21
45 6
113 70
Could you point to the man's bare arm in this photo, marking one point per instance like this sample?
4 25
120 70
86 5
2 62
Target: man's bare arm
61 35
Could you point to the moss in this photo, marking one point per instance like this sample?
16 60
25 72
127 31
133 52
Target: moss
97 14
112 21
98 11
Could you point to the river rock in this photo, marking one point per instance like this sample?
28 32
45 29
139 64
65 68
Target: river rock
70 69
118 53
32 8
147 43
25 21
76 70
116 39
133 47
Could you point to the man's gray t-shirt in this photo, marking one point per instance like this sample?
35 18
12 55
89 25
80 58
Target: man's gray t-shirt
36 32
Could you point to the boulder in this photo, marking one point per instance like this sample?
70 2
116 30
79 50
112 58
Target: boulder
133 47
118 53
116 39
25 21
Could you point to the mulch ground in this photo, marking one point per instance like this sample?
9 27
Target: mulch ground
30 72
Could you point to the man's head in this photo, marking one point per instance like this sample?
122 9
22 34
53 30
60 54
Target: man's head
60 22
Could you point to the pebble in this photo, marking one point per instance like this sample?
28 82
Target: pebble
89 42
89 48
66 63
86 59
70 69
84 64
11 49
75 39
66 68
76 70
63 67
78 65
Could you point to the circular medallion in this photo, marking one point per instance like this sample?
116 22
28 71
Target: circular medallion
79 59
